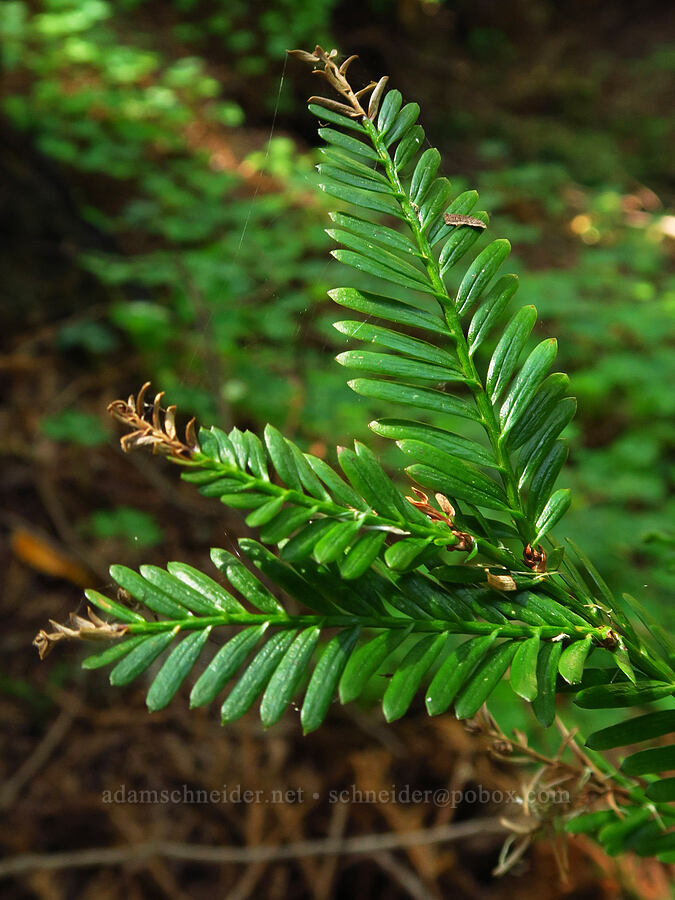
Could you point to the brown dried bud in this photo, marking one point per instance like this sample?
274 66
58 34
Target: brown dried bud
456 219
535 559
92 629
304 56
376 97
500 582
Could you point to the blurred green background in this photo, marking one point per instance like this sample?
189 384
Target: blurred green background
161 220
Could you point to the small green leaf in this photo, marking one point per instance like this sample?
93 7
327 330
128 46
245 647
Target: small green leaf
147 594
433 599
308 477
453 444
389 110
361 556
256 676
334 542
224 664
544 478
112 654
407 677
543 705
246 500
301 545
390 309
460 574
401 343
535 451
209 589
287 676
323 683
370 481
175 669
246 583
480 273
257 458
551 611
387 364
339 490
284 576
484 680
220 487
424 174
372 266
140 657
336 157
403 122
286 523
209 441
403 555
527 383
622 694
435 202
573 659
623 660
523 675
282 458
552 513
382 234
240 445
616 834
451 476
327 115
646 762
345 142
539 410
455 670
420 398
408 147
490 310
219 444
505 358
353 177
121 612
366 660
363 199
265 513
633 731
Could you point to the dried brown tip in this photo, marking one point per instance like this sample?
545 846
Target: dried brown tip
304 56
376 97
456 219
157 431
326 67
535 559
500 582
464 541
91 629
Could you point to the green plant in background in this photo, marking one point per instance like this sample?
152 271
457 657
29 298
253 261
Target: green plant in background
451 593
208 285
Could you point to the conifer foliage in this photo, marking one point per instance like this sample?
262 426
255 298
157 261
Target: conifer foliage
456 581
